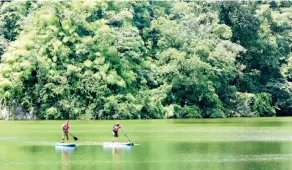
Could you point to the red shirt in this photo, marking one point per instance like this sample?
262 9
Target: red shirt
66 127
117 128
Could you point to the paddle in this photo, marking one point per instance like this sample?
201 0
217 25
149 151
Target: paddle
75 138
127 137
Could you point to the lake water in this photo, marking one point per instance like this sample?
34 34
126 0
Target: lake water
200 144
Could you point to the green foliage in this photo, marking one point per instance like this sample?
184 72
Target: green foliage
223 31
3 45
187 112
146 59
282 92
152 102
262 105
12 15
265 31
287 69
11 18
253 105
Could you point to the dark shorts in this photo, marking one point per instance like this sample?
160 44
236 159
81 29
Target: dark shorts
65 134
116 134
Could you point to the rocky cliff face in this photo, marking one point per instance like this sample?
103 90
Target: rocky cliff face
15 113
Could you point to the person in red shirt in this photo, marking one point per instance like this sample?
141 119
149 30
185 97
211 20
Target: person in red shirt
65 128
116 130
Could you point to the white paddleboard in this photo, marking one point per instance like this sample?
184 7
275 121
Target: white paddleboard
66 144
117 144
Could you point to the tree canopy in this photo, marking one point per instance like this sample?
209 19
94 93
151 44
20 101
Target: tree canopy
146 59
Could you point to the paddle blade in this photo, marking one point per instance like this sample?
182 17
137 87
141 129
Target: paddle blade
75 138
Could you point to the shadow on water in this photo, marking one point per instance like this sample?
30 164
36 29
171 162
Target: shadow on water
33 149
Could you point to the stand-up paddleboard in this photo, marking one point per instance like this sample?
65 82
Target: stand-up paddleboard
66 144
65 149
117 144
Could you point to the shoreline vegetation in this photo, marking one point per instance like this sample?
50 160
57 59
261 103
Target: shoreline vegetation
145 59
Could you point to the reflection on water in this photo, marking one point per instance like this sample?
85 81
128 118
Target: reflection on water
116 154
117 149
65 151
116 158
120 147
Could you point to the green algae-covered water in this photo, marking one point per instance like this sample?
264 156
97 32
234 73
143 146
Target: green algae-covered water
201 144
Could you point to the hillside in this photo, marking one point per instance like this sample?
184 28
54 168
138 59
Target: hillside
146 59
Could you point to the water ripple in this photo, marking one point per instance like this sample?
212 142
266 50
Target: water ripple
224 159
7 139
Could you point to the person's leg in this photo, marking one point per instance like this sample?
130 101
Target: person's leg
117 136
67 137
63 136
113 136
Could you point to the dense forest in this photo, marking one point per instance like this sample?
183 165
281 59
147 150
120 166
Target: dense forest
146 59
